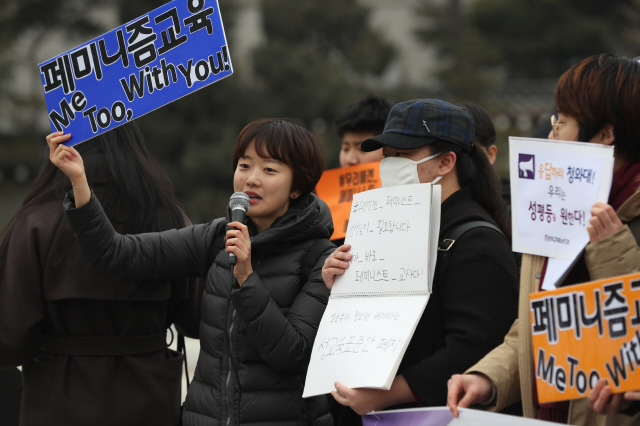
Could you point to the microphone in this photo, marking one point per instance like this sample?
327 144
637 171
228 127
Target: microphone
238 204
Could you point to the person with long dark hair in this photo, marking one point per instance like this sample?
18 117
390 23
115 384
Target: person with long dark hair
260 314
484 130
485 137
474 297
93 345
598 102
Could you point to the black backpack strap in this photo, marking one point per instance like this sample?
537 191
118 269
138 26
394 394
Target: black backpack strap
447 243
311 257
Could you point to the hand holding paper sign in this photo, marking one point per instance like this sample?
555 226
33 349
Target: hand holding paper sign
364 400
70 162
65 158
336 264
604 222
465 390
603 402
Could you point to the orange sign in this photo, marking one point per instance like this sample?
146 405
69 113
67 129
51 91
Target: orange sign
585 332
337 186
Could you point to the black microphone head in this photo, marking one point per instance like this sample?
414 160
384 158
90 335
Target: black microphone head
239 200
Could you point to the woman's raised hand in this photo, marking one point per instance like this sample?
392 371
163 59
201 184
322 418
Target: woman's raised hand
67 159
239 243
336 264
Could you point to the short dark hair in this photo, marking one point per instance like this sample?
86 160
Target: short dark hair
600 90
484 133
289 142
369 114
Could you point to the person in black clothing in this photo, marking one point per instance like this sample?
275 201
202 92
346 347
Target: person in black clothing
259 317
474 299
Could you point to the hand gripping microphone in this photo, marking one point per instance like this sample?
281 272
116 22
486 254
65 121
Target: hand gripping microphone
238 204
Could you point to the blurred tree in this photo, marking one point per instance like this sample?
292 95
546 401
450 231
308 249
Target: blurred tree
483 42
466 60
308 68
30 22
316 59
336 28
24 26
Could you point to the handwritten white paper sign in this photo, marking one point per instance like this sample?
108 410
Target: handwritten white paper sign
375 306
553 186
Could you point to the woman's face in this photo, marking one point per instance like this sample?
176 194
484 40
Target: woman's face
267 182
567 128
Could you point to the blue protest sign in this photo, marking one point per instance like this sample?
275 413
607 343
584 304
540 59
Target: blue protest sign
142 65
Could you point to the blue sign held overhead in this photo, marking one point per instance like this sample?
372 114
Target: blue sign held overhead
149 62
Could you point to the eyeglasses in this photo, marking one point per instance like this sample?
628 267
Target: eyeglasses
555 126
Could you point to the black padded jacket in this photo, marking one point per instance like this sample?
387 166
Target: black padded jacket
254 372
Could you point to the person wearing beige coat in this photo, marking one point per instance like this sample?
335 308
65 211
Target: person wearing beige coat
597 103
504 366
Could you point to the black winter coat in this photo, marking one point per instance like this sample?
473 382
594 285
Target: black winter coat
73 329
473 304
271 321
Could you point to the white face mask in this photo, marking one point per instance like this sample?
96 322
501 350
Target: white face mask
395 171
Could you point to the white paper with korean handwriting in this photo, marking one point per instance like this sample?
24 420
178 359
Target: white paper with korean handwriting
375 306
361 341
553 186
389 232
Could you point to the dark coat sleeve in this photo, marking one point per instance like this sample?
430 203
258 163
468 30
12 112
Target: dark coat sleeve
284 341
186 314
479 300
22 305
172 254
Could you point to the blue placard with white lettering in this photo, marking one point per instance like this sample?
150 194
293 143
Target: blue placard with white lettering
149 62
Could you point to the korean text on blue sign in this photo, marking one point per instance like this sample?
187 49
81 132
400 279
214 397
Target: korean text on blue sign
149 62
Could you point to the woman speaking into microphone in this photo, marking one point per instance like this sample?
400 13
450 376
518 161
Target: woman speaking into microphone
259 315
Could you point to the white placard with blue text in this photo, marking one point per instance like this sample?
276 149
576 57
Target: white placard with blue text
554 184
149 62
